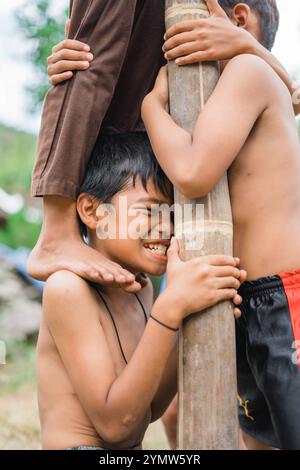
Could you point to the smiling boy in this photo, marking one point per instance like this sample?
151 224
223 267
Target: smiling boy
107 359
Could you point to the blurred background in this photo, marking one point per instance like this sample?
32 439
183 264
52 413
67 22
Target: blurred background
29 29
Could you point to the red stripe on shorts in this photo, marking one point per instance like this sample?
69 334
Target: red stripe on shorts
291 283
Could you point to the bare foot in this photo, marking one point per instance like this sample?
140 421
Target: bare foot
74 255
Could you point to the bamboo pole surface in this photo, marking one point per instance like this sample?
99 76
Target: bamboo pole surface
207 362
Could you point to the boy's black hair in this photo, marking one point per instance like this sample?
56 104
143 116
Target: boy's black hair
267 12
117 161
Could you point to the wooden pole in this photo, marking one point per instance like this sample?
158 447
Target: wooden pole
207 362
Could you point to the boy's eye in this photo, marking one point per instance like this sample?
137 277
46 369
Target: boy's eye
146 210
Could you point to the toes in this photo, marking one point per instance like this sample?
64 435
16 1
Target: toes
106 275
91 275
124 277
132 288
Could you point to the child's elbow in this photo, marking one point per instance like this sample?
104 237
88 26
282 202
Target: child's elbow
193 181
193 188
119 433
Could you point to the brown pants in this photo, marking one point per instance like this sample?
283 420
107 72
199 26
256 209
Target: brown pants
126 38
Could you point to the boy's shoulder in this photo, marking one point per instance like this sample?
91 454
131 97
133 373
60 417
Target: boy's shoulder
69 288
250 61
250 76
249 67
64 289
64 282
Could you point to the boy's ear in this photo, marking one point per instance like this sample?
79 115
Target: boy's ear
87 208
241 15
244 17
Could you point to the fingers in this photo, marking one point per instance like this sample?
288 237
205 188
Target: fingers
66 66
237 300
225 294
223 271
182 27
71 44
59 78
237 313
227 282
178 40
173 250
196 57
215 8
182 50
243 276
69 54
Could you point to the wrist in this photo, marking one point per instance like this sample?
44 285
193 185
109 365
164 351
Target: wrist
168 311
250 44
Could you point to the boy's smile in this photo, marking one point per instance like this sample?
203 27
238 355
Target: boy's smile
139 229
158 249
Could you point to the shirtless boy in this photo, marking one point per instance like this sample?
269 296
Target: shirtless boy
248 128
105 368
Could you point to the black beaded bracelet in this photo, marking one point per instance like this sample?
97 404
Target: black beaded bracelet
163 324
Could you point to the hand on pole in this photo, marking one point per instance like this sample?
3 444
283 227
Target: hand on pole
206 39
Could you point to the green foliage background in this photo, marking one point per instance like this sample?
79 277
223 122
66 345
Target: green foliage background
43 29
17 150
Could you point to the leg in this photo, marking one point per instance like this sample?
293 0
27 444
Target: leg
60 246
169 420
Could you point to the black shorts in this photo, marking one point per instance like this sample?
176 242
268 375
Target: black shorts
268 360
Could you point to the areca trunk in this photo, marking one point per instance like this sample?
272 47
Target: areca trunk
207 362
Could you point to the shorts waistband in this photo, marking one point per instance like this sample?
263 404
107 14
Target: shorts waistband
290 279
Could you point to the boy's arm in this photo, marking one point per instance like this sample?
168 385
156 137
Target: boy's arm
168 386
195 163
116 405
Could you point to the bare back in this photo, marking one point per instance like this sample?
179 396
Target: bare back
265 189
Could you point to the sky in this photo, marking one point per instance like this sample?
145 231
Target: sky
16 72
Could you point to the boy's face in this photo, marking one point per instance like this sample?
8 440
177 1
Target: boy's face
135 229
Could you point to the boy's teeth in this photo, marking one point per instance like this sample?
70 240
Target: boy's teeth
161 249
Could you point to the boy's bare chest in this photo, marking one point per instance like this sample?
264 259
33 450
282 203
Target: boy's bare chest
123 328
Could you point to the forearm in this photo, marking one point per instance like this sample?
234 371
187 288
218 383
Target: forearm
257 49
172 145
131 394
